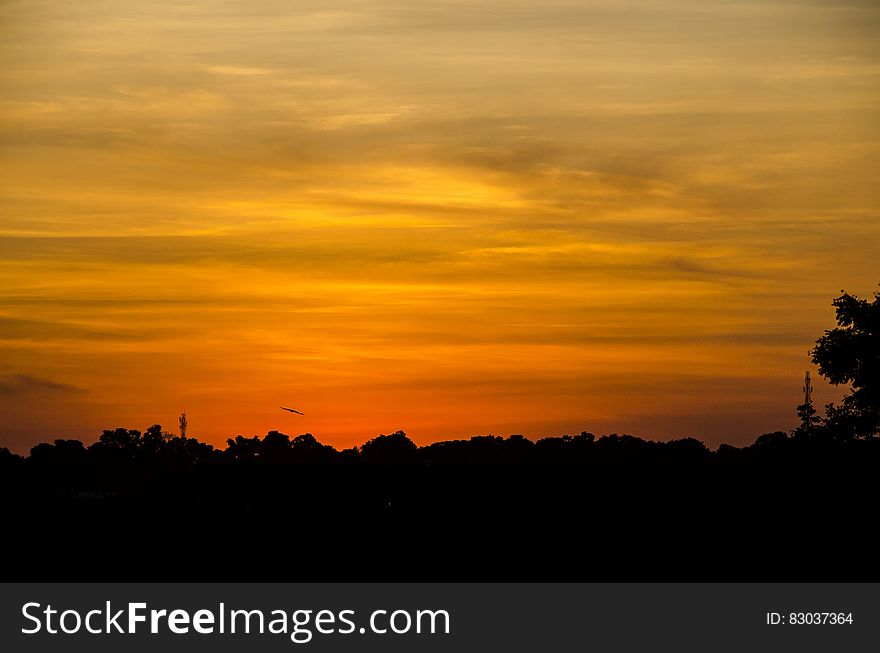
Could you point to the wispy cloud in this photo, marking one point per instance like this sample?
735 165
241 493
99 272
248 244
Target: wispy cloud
26 385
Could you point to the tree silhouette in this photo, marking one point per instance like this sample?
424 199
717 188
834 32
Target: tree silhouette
809 420
243 449
305 448
850 354
394 449
62 452
153 439
118 444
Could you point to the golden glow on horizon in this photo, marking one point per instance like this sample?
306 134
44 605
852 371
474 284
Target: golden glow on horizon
443 217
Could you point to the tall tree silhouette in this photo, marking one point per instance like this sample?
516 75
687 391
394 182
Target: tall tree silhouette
850 354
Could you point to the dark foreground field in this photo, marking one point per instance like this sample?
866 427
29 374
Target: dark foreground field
775 512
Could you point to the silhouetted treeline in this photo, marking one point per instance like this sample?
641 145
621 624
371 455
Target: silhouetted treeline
126 449
147 506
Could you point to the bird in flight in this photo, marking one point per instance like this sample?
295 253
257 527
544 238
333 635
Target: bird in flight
292 410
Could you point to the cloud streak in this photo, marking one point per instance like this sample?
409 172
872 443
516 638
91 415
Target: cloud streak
26 385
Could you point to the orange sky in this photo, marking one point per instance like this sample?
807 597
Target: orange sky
451 218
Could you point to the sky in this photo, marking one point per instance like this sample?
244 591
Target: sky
451 218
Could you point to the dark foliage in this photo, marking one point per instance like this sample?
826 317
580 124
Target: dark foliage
150 506
850 354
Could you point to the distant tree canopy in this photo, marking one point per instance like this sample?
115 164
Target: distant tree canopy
393 449
279 448
850 354
122 456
